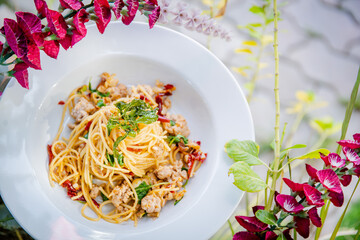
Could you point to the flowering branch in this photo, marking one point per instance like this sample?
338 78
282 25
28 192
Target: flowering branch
26 36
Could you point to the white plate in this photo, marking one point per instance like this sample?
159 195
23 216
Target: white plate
207 95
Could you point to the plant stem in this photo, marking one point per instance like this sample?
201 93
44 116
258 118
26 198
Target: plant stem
343 214
277 111
231 227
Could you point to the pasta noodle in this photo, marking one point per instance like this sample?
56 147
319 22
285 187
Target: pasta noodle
125 156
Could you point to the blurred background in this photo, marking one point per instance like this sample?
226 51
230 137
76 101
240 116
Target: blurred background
319 47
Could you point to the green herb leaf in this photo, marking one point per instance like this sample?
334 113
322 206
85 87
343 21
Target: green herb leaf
142 190
177 201
110 158
100 103
172 123
266 217
245 151
176 139
104 198
86 136
245 178
98 92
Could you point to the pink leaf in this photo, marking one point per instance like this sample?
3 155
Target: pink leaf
29 23
349 143
336 161
288 203
330 180
313 196
345 179
32 57
302 226
133 6
154 16
245 236
295 187
103 12
80 18
21 74
15 37
39 38
41 7
351 155
118 6
251 224
51 48
337 198
312 172
72 4
66 42
76 37
57 23
257 207
356 137
1 47
287 235
152 2
270 235
314 217
357 170
325 159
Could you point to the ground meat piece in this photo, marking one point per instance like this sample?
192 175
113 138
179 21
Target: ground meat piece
151 204
166 105
164 172
120 194
118 91
180 126
157 151
82 109
94 192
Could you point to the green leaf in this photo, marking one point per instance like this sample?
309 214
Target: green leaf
142 190
281 237
245 151
7 221
176 139
295 146
177 201
101 103
104 198
245 178
266 217
257 10
313 154
172 123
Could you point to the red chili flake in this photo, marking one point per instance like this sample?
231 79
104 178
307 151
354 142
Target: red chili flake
51 155
159 101
87 127
142 97
61 102
168 86
163 119
96 203
198 143
131 174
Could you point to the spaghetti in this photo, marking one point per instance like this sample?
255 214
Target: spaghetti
126 156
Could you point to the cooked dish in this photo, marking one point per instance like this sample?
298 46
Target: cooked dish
126 155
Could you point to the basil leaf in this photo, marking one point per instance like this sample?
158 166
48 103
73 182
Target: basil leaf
110 158
104 198
177 201
98 92
172 123
176 139
86 136
100 103
142 190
